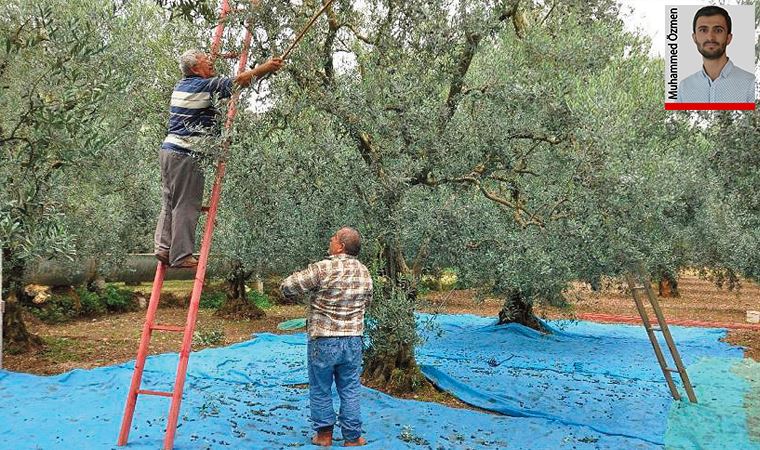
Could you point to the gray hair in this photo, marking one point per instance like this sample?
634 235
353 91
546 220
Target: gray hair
351 239
188 60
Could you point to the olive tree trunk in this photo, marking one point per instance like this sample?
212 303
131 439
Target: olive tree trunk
389 360
668 285
237 305
518 309
16 337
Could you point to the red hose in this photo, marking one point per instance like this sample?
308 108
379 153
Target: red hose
614 318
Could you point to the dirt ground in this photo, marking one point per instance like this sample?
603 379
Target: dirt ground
114 339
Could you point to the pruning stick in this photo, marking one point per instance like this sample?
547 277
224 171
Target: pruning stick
306 28
298 38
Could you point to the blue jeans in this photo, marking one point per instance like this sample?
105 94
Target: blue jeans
338 359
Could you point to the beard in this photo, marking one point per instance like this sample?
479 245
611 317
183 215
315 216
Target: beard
715 53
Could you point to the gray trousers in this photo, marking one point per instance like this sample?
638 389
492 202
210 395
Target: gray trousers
182 194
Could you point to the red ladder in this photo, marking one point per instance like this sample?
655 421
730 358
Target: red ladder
158 281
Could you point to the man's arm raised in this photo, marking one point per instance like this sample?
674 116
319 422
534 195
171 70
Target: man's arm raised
245 78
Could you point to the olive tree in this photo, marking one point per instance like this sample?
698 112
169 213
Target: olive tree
727 238
50 123
416 115
71 129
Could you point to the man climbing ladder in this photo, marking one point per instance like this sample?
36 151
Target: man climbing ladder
191 123
192 117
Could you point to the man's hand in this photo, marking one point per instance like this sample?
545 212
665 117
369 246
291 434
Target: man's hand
271 66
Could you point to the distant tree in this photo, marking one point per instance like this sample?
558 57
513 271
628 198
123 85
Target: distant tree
729 232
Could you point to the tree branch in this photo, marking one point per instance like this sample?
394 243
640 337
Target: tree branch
472 39
360 36
554 140
554 4
457 81
327 55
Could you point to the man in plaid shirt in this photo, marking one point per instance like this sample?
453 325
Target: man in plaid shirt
341 289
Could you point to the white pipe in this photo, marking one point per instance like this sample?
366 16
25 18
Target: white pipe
135 267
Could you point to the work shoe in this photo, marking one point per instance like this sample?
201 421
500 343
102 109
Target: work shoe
163 256
323 438
358 442
188 262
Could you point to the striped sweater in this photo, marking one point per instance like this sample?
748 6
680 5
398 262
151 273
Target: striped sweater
192 115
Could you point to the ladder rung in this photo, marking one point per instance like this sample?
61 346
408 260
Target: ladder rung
161 327
158 393
655 328
230 55
670 369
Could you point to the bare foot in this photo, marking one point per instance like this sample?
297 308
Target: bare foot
360 441
322 438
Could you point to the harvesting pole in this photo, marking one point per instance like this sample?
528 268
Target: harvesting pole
298 38
306 28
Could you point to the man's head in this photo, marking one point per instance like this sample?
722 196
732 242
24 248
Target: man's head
345 240
712 31
196 62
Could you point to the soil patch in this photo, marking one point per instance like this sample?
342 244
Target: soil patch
114 339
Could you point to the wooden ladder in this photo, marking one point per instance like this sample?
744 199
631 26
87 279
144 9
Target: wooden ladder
638 284
200 273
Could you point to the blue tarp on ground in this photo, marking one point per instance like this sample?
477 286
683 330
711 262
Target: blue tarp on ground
728 413
242 396
601 376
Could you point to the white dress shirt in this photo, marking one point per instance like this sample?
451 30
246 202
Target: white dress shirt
733 85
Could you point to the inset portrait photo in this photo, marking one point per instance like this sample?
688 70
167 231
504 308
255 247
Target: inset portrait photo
710 57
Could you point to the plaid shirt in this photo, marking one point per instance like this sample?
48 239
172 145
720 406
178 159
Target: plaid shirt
342 289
